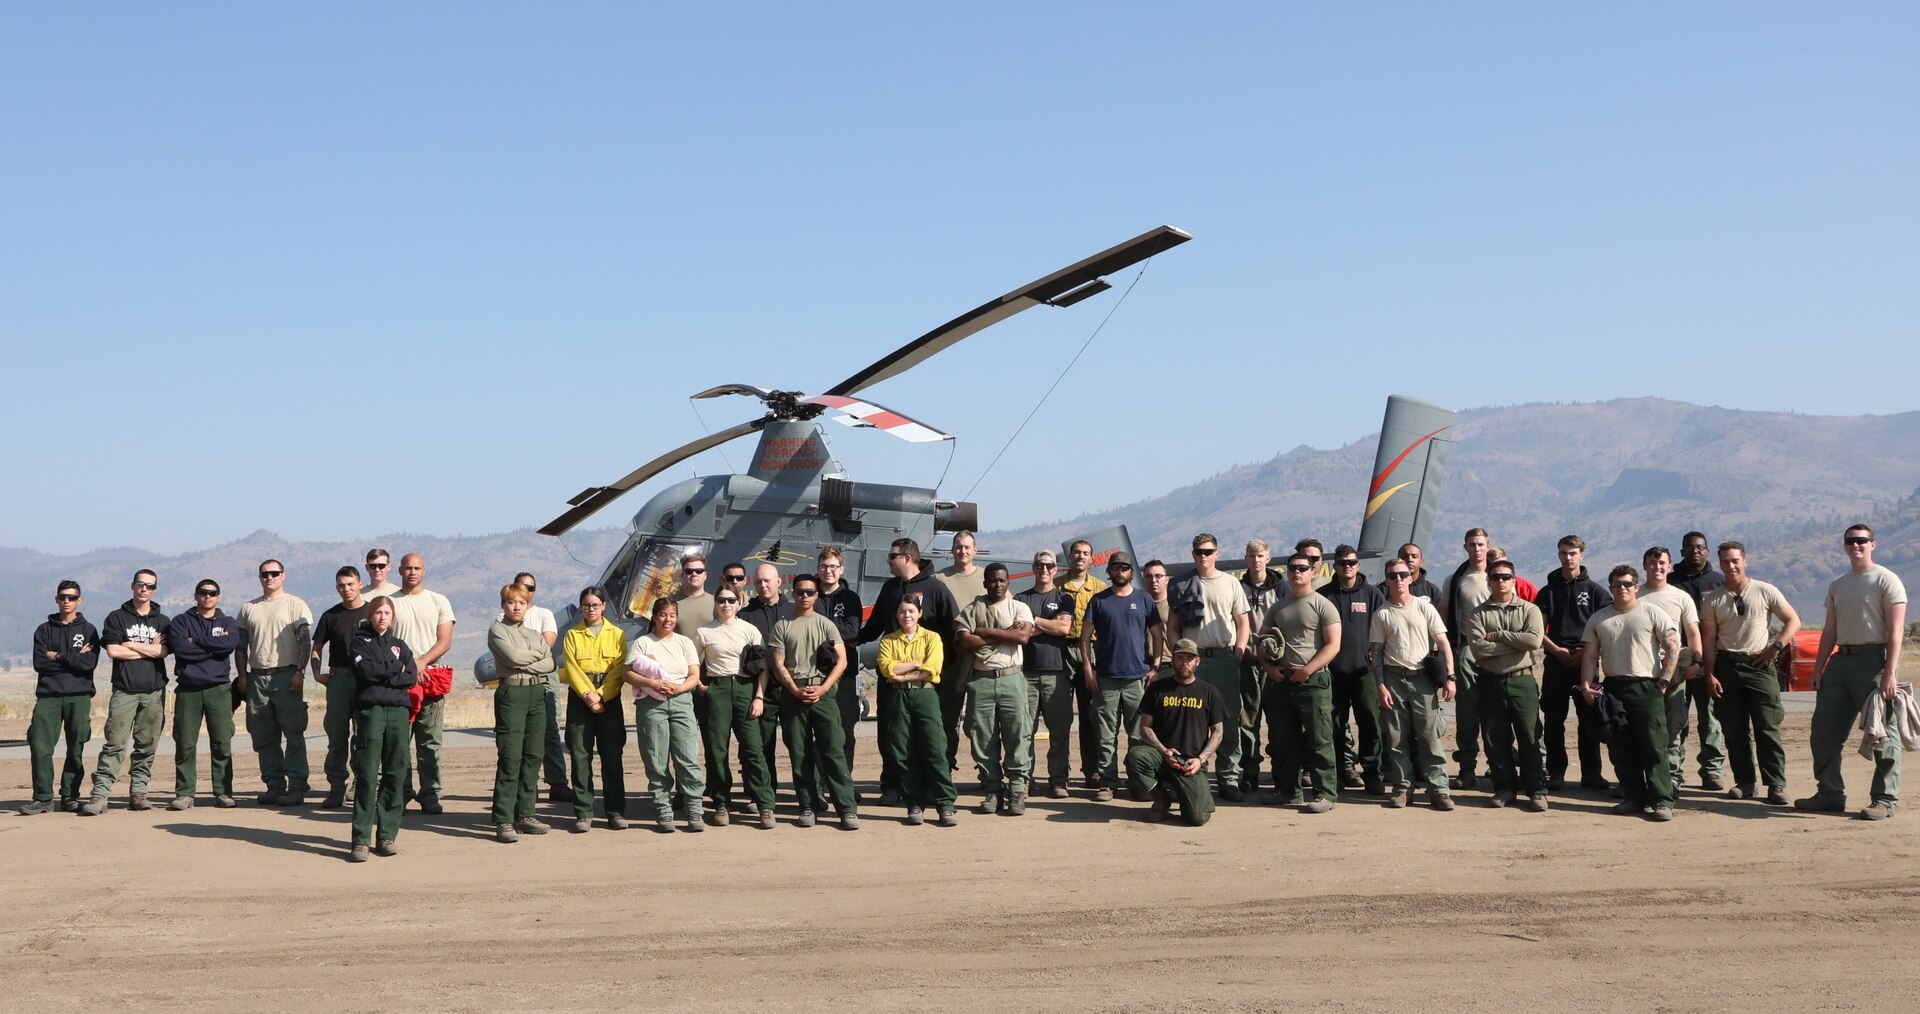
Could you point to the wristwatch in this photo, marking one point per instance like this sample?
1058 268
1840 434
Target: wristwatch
1779 646
1663 683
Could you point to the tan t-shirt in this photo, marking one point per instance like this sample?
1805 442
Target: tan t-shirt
1740 621
1224 599
1408 631
693 613
386 588
1000 615
269 626
675 653
1679 607
1859 604
796 638
1303 624
964 587
720 646
1629 640
417 619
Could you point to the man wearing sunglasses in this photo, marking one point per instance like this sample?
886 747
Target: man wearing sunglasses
1503 636
1635 648
1356 691
1465 590
937 612
379 565
1123 624
1214 613
276 641
1263 586
66 650
809 717
1300 635
1740 654
1866 620
202 641
1044 660
1406 640
135 639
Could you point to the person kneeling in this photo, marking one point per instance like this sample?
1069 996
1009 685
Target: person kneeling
1181 722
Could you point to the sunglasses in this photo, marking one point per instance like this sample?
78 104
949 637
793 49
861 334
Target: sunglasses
67 597
1206 552
1499 577
805 593
896 556
1348 563
204 592
735 577
694 570
378 566
270 573
1398 575
1313 560
145 586
1623 584
725 600
1299 568
530 588
1037 565
1857 540
1120 566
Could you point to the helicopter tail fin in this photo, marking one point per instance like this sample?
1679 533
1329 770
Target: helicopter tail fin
1409 470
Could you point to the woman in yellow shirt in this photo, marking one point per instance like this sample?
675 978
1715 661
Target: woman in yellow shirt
910 659
592 657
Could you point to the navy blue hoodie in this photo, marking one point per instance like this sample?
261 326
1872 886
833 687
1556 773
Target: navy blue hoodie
201 646
77 647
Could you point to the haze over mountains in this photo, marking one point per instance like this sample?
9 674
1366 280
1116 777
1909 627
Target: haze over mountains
1623 474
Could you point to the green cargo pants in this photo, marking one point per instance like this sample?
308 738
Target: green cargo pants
1119 705
919 740
1300 727
1466 712
1640 754
277 721
338 723
214 704
670 751
1253 689
729 701
380 763
1510 721
52 715
1148 769
134 719
815 744
1050 702
1844 686
429 733
998 727
519 742
1414 728
1750 717
1712 755
1221 671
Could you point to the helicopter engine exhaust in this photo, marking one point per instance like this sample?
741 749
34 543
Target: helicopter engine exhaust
840 498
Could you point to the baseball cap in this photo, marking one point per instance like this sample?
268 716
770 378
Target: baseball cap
1185 646
1119 556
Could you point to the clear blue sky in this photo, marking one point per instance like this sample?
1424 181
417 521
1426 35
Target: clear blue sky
343 270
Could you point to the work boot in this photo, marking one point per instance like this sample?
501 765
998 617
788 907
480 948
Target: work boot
225 802
181 803
1502 799
849 821
1776 795
1741 791
1275 798
618 821
1374 786
1057 790
1618 792
1139 794
358 855
720 817
1596 783
138 801
1318 804
1712 783
559 794
581 825
1439 800
989 804
1537 803
1017 802
1231 793
1102 794
807 819
292 798
39 806
1660 813
1819 803
1162 805
71 804
1628 808
1878 811
505 834
1557 783
889 797
1400 800
766 818
948 818
94 807
336 798
271 797
1350 779
431 806
386 848
531 825
915 816
664 823
695 824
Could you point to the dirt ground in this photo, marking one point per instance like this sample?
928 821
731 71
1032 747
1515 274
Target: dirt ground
1078 905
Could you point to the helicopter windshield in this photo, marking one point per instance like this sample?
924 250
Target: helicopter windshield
643 576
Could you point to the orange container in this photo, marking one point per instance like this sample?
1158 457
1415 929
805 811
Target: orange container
1806 644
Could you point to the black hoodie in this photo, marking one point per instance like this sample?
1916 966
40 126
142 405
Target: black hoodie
1356 606
201 647
383 668
1566 605
76 647
125 625
1696 584
937 608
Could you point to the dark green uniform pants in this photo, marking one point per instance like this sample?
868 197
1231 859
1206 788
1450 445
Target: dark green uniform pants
1357 694
1750 717
918 737
847 693
604 733
1844 686
1466 712
136 719
1148 768
889 762
1640 753
519 742
338 723
1510 719
215 705
1222 672
727 715
51 715
1712 755
554 760
1086 705
380 764
1050 701
277 721
1300 727
815 745
1253 688
429 732
952 689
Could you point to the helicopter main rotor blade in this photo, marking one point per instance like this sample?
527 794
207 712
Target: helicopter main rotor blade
1064 287
752 390
865 414
593 498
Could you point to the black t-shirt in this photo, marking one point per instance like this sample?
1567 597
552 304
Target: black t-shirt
335 630
1184 714
1046 652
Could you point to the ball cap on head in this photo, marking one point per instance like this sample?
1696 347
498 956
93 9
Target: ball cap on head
1119 556
1185 646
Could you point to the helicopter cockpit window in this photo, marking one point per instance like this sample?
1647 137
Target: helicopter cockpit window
655 573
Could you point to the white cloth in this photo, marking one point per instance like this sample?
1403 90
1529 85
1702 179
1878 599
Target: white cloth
1876 716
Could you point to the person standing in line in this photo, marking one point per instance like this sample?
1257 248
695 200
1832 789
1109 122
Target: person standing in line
798 655
1355 690
765 611
1182 722
554 762
1301 635
840 602
202 641
424 619
380 668
910 580
1859 656
1522 587
1212 610
1466 589
1122 622
1568 600
734 703
1636 648
1154 574
1405 632
1421 588
1080 583
592 655
994 628
663 716
965 582
1740 656
66 651
1696 576
1049 683
379 564
276 642
911 657
333 633
1657 591
135 640
1504 635
523 661
1262 587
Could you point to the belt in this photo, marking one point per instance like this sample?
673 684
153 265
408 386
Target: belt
915 685
1401 670
524 681
1740 656
1861 649
808 681
597 678
1211 652
728 676
990 674
1508 675
277 668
